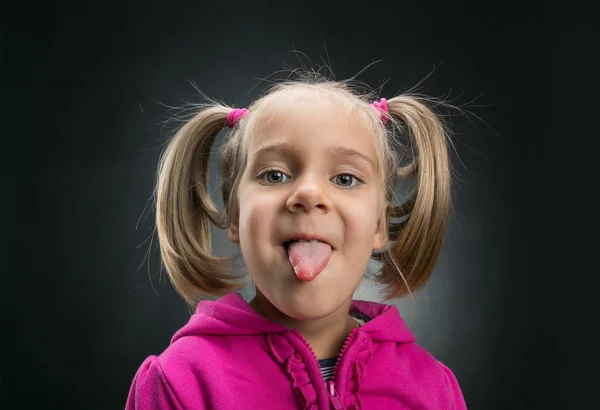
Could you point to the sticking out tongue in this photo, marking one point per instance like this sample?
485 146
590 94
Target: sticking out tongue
308 258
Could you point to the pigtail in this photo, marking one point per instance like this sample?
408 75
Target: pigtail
417 240
185 210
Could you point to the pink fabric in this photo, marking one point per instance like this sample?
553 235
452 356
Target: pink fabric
235 116
229 357
381 109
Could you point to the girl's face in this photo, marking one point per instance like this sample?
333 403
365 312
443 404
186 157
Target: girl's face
311 170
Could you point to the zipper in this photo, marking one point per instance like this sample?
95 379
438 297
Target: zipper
346 344
333 398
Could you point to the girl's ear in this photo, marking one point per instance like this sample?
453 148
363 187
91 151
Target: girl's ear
233 233
381 238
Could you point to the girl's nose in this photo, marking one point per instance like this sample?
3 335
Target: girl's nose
308 193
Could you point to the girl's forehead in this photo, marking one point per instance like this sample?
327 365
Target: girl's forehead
319 123
319 129
312 119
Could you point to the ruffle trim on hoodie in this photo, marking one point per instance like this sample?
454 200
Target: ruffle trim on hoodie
361 357
295 368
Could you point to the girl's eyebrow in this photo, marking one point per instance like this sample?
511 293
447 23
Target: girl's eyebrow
349 152
284 148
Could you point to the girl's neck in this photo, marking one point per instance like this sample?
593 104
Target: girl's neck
326 336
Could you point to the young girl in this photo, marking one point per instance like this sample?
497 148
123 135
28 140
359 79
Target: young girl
308 177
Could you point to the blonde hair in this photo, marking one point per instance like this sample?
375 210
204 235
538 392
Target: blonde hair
185 209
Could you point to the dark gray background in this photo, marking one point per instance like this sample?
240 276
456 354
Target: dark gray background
92 98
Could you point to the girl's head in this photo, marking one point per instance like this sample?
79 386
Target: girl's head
309 160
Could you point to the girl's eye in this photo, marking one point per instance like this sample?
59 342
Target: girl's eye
274 176
346 180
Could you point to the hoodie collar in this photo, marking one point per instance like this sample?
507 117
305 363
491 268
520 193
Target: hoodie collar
385 324
232 315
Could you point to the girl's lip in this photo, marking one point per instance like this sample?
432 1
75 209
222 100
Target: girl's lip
304 237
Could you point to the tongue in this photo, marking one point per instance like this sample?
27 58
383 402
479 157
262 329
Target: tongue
308 258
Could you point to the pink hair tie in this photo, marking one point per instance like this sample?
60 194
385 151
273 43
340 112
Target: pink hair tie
381 109
235 116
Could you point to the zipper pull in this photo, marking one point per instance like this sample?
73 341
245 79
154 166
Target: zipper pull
335 401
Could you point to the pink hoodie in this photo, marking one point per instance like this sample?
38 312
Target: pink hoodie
229 357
